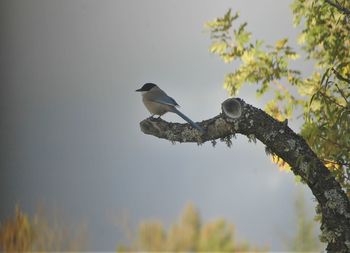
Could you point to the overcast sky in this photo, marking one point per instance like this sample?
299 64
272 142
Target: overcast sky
69 129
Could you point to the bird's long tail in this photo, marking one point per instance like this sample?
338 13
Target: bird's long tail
194 125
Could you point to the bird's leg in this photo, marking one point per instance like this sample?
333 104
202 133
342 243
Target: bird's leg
152 117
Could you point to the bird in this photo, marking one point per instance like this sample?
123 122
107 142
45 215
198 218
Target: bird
158 102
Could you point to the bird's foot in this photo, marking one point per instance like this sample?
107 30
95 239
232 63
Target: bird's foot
153 117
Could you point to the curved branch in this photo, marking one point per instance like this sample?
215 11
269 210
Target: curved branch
242 118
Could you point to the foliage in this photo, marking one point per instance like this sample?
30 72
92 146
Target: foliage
188 234
323 96
24 234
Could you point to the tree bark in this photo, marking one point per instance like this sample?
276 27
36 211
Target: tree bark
237 117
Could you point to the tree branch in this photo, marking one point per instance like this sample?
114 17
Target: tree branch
340 77
237 117
339 7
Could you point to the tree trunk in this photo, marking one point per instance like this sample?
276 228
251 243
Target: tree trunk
242 118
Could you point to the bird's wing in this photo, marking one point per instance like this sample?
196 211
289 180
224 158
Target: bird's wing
163 98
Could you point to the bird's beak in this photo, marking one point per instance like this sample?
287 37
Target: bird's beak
139 89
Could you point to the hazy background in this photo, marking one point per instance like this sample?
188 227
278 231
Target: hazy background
69 128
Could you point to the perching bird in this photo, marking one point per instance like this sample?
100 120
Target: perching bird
158 102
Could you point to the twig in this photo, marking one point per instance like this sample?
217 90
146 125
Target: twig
339 76
335 162
335 143
340 8
331 99
341 93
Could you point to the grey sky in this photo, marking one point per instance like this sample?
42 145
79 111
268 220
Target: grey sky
70 117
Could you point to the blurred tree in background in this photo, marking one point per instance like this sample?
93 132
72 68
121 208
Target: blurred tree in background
192 235
188 234
322 96
21 233
17 234
305 238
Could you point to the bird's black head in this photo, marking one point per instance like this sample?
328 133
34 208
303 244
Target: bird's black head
147 87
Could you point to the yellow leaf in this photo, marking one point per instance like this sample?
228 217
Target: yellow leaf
301 38
281 43
282 165
218 47
247 57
